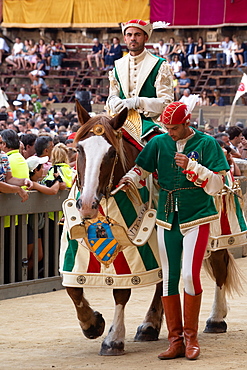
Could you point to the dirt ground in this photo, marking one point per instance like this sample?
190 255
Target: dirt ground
41 332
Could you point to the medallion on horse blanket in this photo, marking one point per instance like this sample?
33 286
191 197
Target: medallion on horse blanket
127 267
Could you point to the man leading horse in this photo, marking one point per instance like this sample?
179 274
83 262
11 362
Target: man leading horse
140 81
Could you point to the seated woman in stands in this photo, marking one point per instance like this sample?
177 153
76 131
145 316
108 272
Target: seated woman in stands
199 53
50 49
180 50
239 52
31 54
114 53
176 66
218 99
203 99
171 48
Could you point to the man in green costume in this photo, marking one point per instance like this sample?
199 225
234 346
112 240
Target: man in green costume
191 167
140 81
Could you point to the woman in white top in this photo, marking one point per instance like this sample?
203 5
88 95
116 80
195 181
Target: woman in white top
176 66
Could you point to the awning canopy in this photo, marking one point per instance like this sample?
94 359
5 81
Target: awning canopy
72 13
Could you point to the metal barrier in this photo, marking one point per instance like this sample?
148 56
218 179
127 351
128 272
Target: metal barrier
14 280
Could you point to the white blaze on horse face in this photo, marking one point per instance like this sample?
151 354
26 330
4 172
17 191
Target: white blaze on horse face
95 148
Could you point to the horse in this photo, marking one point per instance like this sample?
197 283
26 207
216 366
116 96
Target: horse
99 143
104 156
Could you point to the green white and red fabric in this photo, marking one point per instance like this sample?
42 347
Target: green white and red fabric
133 266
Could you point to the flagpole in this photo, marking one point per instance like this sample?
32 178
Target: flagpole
241 91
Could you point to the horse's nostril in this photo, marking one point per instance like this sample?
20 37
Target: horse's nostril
79 203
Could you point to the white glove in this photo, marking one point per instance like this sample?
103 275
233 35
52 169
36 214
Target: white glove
115 104
131 103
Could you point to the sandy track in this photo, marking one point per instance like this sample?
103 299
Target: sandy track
41 332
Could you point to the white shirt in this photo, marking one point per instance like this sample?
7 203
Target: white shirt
3 45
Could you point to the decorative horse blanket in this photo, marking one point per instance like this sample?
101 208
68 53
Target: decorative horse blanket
230 230
131 266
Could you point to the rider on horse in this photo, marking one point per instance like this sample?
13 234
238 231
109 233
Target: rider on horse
140 81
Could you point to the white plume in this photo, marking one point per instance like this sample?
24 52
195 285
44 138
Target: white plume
160 24
192 102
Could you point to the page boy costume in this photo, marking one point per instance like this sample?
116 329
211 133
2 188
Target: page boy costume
185 210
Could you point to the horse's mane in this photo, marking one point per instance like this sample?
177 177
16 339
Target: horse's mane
110 134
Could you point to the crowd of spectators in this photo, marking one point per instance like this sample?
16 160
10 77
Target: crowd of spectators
37 153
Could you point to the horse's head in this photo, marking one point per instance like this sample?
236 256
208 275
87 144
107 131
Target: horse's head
99 145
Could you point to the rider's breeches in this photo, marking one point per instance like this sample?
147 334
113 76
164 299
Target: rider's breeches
172 244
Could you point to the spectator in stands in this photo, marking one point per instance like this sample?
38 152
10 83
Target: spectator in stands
39 68
180 50
14 58
199 53
30 58
10 145
187 97
39 86
50 49
4 48
43 147
25 54
51 99
235 137
96 53
160 49
190 50
105 49
176 66
41 48
183 83
239 51
23 96
203 99
28 141
224 57
60 52
170 51
114 53
218 99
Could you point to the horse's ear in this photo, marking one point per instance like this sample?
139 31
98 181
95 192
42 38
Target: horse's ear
118 121
83 115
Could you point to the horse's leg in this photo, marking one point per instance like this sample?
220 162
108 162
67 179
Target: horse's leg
216 323
113 344
150 328
91 322
219 261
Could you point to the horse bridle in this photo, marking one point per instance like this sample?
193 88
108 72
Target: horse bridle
98 129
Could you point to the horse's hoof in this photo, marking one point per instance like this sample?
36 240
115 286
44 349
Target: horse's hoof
112 349
146 334
96 330
215 327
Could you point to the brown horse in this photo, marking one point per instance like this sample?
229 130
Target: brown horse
99 144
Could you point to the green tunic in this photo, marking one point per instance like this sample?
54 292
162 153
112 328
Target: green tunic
177 193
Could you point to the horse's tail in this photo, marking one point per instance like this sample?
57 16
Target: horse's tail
234 277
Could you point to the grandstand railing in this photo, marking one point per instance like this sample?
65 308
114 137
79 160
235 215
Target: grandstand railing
14 279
